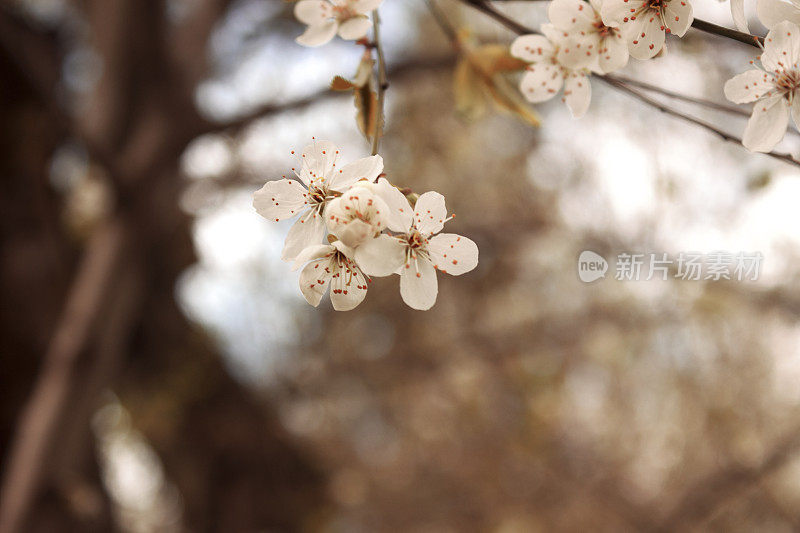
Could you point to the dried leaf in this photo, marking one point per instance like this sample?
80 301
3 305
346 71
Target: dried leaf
468 91
366 101
342 84
479 76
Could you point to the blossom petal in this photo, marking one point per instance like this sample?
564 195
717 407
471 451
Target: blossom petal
418 284
430 213
773 12
645 35
748 86
796 109
313 12
678 16
310 253
318 160
541 82
367 168
279 199
579 51
354 28
768 124
453 253
613 52
318 34
781 47
400 211
737 14
348 288
616 13
314 280
572 15
532 48
577 93
365 6
381 256
306 232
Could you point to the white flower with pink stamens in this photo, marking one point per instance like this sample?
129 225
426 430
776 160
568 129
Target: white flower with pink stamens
331 265
775 89
645 22
318 183
326 18
546 74
588 41
417 252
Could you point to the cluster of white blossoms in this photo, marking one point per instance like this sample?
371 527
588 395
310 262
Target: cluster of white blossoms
326 18
373 230
596 36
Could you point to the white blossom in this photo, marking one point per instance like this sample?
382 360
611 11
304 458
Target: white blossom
319 182
645 22
588 41
773 88
331 265
773 12
417 252
357 215
326 18
546 75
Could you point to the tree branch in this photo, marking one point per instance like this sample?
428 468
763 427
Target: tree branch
787 158
400 72
722 31
32 441
381 82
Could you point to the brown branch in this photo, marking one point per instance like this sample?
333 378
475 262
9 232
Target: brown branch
787 158
722 31
400 72
381 83
32 441
682 97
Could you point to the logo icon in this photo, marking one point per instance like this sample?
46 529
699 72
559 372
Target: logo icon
591 266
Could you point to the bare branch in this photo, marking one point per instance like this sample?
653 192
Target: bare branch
400 72
381 82
32 441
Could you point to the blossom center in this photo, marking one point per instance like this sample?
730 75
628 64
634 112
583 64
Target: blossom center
602 29
344 11
416 240
787 80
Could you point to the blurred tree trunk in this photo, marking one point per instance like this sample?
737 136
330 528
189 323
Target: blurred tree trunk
227 454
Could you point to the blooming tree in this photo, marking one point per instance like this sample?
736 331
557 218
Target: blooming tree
375 228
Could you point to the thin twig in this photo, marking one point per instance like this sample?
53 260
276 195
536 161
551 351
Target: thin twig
722 31
678 96
787 158
33 438
381 82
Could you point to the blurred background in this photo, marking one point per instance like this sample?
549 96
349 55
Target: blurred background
160 370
